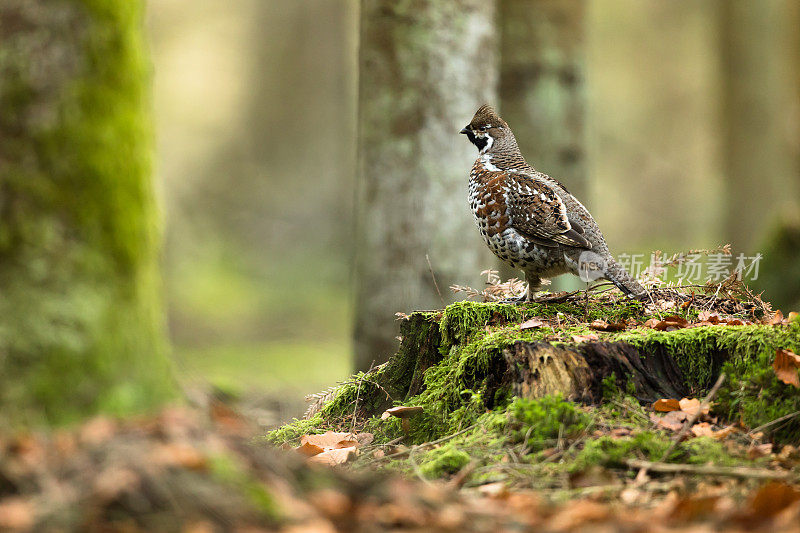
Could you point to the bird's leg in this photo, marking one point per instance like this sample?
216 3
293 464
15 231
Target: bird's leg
534 284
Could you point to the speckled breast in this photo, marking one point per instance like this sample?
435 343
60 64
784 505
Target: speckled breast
487 193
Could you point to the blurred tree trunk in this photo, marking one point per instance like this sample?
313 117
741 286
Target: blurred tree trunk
80 320
542 86
425 67
759 117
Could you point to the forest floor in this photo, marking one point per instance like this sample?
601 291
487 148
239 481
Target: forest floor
435 441
195 471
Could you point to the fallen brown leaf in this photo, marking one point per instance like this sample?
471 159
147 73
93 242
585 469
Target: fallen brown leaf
672 421
770 499
691 406
776 319
666 405
532 323
702 429
708 316
585 338
602 325
692 508
309 450
725 432
671 323
329 439
334 456
496 490
785 365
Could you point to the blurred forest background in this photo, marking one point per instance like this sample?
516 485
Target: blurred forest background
688 137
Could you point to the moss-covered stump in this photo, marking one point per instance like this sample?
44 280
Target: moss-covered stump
472 358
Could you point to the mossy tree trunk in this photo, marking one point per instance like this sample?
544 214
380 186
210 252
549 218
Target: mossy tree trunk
542 86
425 67
80 318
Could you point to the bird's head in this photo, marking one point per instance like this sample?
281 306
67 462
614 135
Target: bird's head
486 129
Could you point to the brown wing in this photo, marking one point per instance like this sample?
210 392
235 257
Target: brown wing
537 211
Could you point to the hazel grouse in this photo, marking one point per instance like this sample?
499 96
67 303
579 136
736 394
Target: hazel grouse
530 220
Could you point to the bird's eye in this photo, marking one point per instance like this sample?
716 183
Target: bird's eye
484 128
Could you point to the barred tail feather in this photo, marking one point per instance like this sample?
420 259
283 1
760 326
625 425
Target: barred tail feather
617 275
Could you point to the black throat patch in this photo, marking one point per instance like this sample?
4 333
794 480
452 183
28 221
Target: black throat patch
480 142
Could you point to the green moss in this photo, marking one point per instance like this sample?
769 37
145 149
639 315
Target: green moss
755 396
700 352
537 421
443 461
290 433
462 384
608 451
705 450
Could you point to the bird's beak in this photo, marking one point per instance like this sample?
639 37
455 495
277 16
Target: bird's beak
464 130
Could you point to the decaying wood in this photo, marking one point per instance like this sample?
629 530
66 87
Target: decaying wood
577 372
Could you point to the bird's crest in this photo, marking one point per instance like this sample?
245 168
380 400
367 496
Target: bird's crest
486 115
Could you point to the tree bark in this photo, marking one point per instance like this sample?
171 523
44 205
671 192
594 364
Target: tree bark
425 67
80 318
577 372
542 86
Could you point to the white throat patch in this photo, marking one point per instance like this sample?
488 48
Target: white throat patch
489 143
487 163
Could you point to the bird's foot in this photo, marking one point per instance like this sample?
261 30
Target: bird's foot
516 300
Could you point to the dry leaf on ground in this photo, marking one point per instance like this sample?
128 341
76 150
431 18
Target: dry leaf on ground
666 405
334 456
708 316
703 429
770 499
308 449
329 439
585 338
532 323
670 323
785 365
602 325
672 421
691 406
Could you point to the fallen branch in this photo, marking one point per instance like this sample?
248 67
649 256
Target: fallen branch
706 470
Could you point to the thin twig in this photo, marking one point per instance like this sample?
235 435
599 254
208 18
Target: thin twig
431 443
772 423
434 279
709 470
355 407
